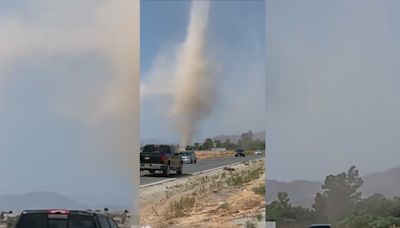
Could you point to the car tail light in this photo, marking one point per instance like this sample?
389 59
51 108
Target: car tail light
163 158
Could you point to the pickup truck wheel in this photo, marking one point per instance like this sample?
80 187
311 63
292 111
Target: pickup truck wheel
195 161
166 171
180 170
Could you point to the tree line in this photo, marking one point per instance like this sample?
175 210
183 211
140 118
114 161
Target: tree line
246 142
339 203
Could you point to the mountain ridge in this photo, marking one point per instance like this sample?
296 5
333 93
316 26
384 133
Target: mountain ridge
37 200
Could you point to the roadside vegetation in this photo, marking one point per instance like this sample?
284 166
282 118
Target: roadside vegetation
260 190
232 179
245 142
243 177
180 207
217 199
339 203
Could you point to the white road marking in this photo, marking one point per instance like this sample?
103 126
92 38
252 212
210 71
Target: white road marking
157 182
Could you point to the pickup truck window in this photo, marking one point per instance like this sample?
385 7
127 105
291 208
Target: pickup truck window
112 223
42 220
103 222
33 221
157 149
58 222
80 221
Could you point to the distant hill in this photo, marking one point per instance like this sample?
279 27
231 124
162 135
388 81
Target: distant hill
302 193
37 200
235 138
386 183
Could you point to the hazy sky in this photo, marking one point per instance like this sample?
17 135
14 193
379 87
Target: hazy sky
69 80
235 45
332 87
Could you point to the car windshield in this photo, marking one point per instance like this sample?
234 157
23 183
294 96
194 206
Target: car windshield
187 153
43 220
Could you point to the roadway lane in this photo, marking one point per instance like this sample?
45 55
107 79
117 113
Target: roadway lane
188 169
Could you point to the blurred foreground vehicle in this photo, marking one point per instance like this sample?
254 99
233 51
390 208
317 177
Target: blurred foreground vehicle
189 157
162 158
64 219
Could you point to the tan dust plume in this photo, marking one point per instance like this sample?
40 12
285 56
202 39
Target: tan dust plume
194 91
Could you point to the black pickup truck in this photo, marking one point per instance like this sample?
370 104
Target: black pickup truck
163 158
64 219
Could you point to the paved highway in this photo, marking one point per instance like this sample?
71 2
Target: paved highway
202 165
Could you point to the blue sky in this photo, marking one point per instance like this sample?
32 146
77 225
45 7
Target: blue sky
64 99
332 87
235 42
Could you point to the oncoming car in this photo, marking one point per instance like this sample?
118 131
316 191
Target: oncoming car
56 218
189 157
239 153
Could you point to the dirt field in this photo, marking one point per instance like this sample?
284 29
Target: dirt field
205 154
222 198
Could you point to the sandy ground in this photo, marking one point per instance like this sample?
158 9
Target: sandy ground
221 198
205 154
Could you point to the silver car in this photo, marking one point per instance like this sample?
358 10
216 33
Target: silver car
188 157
